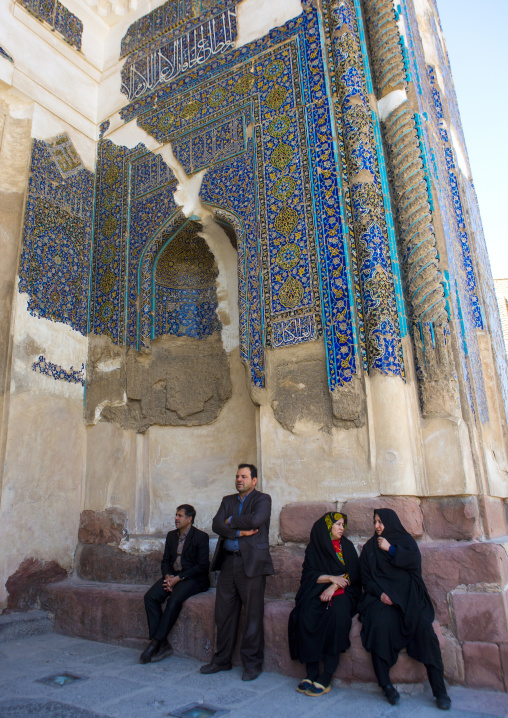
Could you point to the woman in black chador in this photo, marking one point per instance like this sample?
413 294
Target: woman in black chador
326 601
395 610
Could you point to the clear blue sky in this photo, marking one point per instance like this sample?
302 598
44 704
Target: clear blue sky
475 34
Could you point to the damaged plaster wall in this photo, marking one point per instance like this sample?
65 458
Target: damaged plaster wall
149 474
182 382
170 425
45 447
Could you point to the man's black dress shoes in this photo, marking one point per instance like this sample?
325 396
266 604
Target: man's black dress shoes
165 650
150 651
250 674
214 668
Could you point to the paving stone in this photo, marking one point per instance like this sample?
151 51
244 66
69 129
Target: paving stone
21 625
42 709
126 689
486 702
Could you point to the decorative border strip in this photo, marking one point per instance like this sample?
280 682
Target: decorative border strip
57 372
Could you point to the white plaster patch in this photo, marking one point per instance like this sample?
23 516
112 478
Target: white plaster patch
100 407
390 102
6 70
187 190
460 155
138 545
255 18
130 135
55 341
109 365
227 281
45 126
423 10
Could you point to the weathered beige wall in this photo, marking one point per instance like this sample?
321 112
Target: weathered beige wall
149 474
45 447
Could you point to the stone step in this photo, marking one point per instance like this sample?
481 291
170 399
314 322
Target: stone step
110 564
114 613
16 625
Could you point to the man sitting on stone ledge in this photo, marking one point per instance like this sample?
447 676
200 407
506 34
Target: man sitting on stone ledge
184 569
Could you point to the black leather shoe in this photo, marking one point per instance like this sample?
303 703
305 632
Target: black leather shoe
391 694
150 651
165 650
250 674
214 668
444 702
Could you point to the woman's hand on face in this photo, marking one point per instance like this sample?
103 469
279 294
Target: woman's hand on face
327 594
386 599
383 543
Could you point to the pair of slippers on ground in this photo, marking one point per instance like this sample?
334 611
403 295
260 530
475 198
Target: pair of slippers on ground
313 688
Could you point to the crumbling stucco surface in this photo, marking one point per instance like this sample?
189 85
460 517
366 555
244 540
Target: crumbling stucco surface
182 382
149 474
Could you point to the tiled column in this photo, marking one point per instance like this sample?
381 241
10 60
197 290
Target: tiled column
420 261
384 348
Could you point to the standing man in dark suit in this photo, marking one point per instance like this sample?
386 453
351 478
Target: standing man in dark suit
184 569
243 557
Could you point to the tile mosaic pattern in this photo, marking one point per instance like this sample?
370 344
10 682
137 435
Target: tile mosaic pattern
291 230
58 18
352 84
57 372
176 51
461 287
134 205
184 294
55 259
165 18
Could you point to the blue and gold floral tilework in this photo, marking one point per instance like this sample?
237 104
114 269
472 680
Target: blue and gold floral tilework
258 119
55 259
453 196
56 15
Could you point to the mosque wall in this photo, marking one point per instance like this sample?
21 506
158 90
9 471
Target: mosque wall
340 328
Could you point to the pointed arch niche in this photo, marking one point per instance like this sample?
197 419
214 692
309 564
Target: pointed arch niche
184 292
177 280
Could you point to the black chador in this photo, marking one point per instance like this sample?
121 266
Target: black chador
320 630
407 623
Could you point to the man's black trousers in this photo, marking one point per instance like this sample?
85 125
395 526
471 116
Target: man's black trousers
161 622
234 589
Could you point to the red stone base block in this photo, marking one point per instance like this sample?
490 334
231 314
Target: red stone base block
108 564
296 520
287 562
503 651
455 517
493 513
360 514
481 616
453 659
482 662
26 584
101 527
115 613
448 565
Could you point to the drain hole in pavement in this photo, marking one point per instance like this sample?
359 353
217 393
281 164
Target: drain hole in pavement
60 679
198 710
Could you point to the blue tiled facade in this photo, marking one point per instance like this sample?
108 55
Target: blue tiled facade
58 18
55 260
295 169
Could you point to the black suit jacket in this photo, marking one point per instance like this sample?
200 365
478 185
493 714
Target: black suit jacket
255 550
195 556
